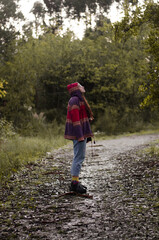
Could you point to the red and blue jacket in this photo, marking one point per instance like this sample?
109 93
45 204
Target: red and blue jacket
77 122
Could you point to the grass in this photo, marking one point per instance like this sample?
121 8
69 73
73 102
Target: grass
153 149
19 151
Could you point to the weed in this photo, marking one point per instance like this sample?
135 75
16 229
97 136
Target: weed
23 150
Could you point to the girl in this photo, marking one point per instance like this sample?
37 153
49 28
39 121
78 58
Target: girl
78 129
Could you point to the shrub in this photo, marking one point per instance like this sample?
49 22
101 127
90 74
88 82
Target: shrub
7 130
113 121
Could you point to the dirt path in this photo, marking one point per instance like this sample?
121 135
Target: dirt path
124 185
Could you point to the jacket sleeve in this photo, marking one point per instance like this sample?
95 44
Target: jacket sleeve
74 111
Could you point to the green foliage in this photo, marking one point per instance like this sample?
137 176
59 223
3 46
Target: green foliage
21 150
153 149
20 74
119 120
75 8
41 69
131 26
107 122
2 88
151 88
151 85
7 130
111 70
37 126
38 10
8 14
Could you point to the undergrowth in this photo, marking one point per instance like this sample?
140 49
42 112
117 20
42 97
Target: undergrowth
17 150
153 149
22 150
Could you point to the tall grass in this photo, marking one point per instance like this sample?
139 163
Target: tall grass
22 150
18 150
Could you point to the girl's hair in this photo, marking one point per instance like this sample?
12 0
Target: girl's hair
88 108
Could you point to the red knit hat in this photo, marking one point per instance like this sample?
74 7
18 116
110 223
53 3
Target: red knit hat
72 87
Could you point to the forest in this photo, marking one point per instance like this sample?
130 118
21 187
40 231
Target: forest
118 63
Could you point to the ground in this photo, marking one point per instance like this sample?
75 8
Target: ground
122 179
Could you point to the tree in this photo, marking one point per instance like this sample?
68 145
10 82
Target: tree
131 26
20 74
35 76
111 71
39 12
75 8
8 14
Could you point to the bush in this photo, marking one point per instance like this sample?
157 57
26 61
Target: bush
107 122
113 121
7 130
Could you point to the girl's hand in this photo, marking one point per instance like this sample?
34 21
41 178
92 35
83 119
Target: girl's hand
91 118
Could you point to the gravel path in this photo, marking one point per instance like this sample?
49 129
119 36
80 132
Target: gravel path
122 179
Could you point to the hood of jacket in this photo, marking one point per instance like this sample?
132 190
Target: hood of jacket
73 90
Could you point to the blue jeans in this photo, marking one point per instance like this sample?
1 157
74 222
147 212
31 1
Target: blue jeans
79 156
